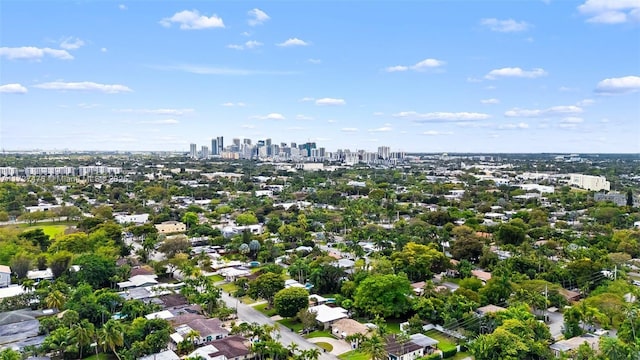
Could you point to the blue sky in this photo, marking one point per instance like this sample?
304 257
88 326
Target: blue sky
428 76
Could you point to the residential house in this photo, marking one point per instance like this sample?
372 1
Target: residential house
138 281
403 350
5 276
574 343
19 329
169 227
39 275
347 327
209 330
429 345
164 355
326 315
484 276
137 219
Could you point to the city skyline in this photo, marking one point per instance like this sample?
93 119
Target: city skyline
538 76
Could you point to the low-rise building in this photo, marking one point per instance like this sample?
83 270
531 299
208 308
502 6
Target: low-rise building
564 346
169 227
5 276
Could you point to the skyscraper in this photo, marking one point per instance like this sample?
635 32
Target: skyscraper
220 144
204 153
193 151
214 147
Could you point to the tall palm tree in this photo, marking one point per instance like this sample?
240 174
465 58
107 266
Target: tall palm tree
311 354
55 300
374 347
83 334
113 336
192 336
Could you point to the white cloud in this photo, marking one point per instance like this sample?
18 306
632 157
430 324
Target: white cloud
257 17
331 121
515 72
568 89
71 43
122 7
330 101
508 25
271 116
162 122
381 129
13 89
419 66
173 112
442 116
84 86
314 61
619 85
104 50
303 117
248 126
213 70
611 11
572 120
585 102
521 125
491 101
349 129
549 112
306 99
234 104
192 20
247 45
293 42
252 44
436 133
378 113
33 53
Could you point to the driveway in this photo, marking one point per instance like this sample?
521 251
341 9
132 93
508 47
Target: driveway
339 346
249 314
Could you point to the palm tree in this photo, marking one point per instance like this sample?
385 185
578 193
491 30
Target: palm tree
374 347
113 336
311 354
83 333
55 299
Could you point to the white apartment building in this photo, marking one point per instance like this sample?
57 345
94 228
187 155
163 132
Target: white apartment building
49 171
8 171
98 170
589 182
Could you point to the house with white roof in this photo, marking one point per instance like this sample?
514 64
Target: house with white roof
139 281
327 315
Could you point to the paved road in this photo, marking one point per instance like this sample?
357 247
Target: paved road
249 314
339 346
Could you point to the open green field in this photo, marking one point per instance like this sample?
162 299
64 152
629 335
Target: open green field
101 357
354 355
51 229
229 288
216 278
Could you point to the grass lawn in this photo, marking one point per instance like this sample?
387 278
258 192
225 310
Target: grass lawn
263 309
354 355
326 346
229 288
216 278
52 230
101 357
460 356
247 300
319 333
446 342
289 323
393 326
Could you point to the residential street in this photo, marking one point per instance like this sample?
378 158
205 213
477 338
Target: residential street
249 314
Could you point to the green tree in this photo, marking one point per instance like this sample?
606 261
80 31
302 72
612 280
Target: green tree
266 286
288 302
383 295
510 234
247 218
374 347
83 333
190 219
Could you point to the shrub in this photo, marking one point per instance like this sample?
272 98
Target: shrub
449 353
